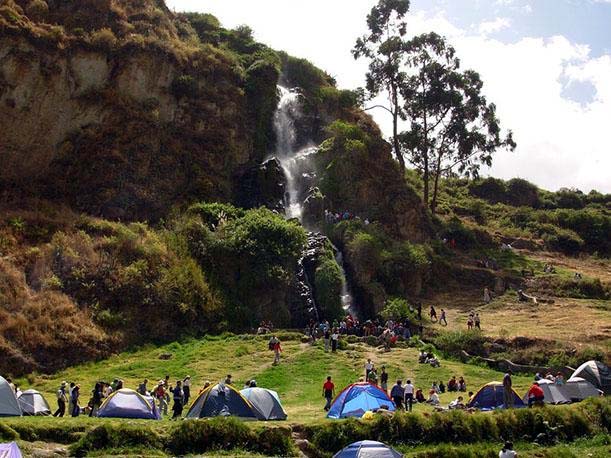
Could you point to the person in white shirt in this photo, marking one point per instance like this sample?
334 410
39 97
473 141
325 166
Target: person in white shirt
409 395
507 451
457 403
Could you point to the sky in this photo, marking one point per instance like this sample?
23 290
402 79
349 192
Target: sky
546 65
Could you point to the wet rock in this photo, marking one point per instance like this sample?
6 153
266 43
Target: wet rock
313 209
262 185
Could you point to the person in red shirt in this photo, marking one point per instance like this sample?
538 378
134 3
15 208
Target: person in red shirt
328 392
535 395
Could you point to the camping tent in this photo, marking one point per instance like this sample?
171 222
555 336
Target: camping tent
33 403
266 403
126 403
358 398
9 406
578 389
221 401
10 450
490 396
368 449
596 373
554 394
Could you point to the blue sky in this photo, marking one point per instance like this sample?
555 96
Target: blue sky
546 64
581 21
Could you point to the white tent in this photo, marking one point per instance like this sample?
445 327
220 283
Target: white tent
9 406
33 403
595 372
10 450
577 389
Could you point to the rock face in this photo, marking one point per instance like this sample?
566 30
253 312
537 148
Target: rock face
262 185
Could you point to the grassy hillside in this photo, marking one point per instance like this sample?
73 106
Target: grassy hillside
298 380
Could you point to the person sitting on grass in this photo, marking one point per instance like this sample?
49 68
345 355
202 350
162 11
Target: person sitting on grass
422 357
457 403
433 398
442 387
507 451
462 385
420 396
452 384
373 377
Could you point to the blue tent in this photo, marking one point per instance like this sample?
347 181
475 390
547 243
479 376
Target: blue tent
265 403
358 398
490 397
126 403
368 449
221 401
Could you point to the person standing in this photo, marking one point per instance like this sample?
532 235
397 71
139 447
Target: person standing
62 398
368 368
328 392
442 318
178 400
419 309
327 338
74 397
397 393
508 390
160 395
433 314
334 340
384 380
409 395
487 295
274 345
142 387
96 399
477 321
186 389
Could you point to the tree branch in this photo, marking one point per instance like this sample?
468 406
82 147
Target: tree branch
378 106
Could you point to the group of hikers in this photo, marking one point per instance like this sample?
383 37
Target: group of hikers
334 217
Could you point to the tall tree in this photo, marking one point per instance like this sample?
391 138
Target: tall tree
383 46
452 126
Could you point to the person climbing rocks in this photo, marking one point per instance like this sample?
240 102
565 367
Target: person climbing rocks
328 392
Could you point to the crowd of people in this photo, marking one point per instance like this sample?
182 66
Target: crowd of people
335 217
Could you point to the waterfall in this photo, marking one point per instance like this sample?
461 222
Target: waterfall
346 295
292 160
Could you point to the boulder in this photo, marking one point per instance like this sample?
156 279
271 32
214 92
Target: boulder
262 185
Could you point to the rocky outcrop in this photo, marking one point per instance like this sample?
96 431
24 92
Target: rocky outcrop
262 185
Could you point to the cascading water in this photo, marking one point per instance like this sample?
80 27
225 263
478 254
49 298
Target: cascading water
291 160
296 166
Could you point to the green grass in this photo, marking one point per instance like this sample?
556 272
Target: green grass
298 379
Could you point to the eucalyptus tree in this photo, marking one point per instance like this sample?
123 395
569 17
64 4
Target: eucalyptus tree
383 46
451 124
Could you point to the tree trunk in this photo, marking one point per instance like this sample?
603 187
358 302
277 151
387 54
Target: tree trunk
395 129
425 162
436 184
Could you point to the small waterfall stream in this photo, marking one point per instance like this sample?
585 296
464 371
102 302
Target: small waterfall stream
295 164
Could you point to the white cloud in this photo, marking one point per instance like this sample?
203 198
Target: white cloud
560 142
488 27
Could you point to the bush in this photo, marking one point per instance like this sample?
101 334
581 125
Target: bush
473 342
104 39
565 241
185 86
198 436
7 433
328 282
396 309
113 436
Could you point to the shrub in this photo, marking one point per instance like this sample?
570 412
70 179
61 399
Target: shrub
199 436
7 433
564 240
184 86
113 436
454 342
328 282
522 193
104 38
396 309
493 190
